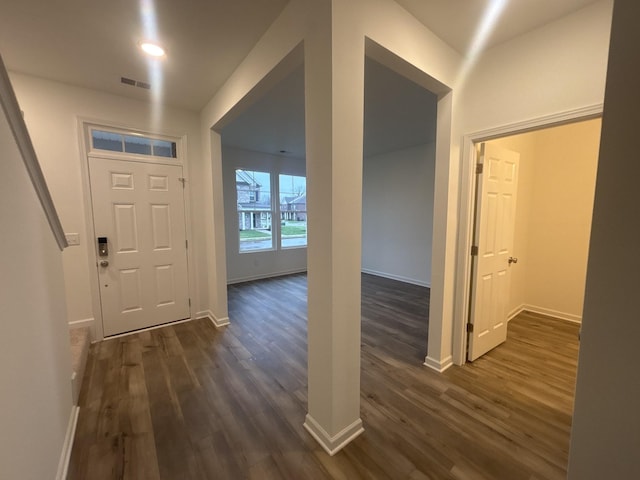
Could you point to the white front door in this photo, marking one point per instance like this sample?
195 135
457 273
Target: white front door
139 208
494 226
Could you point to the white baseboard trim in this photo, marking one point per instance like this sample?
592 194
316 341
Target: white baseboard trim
220 322
398 278
63 464
569 317
438 365
85 322
231 281
217 322
515 312
333 444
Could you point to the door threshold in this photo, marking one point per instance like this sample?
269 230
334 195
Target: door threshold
146 329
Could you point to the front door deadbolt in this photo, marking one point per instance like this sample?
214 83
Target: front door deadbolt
103 247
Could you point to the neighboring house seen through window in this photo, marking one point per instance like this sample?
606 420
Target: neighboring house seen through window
292 191
256 211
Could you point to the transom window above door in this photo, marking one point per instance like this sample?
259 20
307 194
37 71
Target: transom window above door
132 143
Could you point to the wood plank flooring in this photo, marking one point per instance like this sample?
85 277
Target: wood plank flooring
188 401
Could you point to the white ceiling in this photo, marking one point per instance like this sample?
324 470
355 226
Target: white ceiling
92 44
398 114
273 124
456 21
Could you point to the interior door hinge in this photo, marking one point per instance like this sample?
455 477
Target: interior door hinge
469 327
474 250
183 181
189 302
186 244
479 168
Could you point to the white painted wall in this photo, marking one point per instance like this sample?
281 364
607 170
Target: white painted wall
334 112
243 87
557 68
35 366
606 420
553 69
52 111
397 214
560 221
252 265
387 24
553 217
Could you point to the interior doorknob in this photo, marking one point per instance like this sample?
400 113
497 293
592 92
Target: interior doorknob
513 260
104 263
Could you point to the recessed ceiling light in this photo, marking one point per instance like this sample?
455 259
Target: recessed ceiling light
152 49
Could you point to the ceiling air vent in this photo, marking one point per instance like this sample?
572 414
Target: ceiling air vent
135 83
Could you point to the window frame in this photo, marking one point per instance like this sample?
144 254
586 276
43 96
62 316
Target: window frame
98 152
306 238
275 211
254 211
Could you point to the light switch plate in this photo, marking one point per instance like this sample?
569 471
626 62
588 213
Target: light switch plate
72 238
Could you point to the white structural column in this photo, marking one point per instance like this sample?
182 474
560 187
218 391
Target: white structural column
214 224
439 345
334 80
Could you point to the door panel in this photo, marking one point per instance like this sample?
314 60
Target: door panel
161 227
139 207
126 227
495 221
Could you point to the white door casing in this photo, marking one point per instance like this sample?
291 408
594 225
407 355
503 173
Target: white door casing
139 207
493 237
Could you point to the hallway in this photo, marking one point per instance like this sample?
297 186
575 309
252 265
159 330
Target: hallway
188 401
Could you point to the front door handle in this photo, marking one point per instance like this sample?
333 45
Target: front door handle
104 263
513 260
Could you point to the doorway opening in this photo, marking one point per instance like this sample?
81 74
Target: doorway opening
264 184
431 128
547 258
397 210
139 225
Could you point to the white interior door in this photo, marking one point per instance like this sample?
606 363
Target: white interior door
495 221
139 208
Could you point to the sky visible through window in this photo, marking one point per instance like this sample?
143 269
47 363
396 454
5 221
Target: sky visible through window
263 179
292 186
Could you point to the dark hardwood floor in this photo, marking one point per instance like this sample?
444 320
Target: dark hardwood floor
188 401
